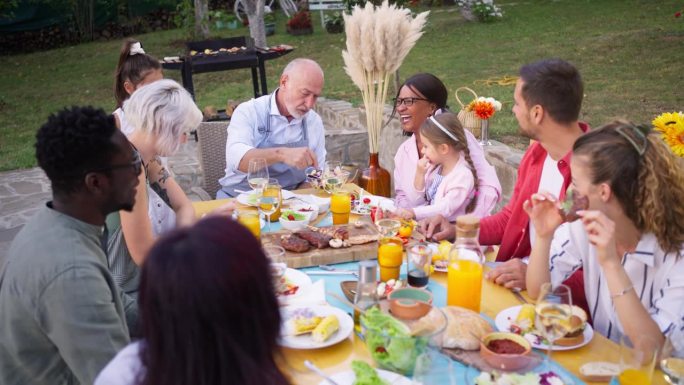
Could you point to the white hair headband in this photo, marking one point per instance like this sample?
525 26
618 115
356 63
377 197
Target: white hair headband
136 48
452 136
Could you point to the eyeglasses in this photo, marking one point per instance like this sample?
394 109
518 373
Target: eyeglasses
136 165
638 140
408 102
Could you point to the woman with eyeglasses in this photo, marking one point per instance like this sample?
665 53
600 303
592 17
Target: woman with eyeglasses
160 115
630 239
420 97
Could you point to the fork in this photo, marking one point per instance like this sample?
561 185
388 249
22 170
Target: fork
341 271
311 366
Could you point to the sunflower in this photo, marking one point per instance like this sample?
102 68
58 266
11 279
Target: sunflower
671 128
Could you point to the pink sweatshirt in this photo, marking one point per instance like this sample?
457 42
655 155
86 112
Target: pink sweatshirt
405 162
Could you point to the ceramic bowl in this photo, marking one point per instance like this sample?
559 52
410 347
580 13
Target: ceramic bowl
294 225
410 303
505 361
310 210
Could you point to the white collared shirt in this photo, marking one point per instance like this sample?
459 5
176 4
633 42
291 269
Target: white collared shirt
658 280
243 133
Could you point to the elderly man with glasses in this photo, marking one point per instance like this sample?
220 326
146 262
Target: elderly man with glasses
62 317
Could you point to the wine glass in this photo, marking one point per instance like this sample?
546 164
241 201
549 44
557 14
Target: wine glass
553 312
270 199
333 176
672 367
257 174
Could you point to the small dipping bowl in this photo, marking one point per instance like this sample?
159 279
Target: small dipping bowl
505 361
410 303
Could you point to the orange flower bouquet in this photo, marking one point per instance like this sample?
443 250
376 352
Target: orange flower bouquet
484 108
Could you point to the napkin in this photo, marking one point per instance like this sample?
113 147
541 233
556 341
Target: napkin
314 295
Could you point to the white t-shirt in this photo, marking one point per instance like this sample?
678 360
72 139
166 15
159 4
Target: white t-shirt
551 181
123 369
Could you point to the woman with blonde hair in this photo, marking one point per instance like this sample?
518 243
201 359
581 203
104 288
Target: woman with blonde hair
630 239
160 114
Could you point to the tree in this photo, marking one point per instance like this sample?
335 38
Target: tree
255 15
202 19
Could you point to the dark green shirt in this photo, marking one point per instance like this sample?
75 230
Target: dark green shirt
62 317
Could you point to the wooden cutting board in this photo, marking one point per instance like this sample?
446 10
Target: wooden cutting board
315 257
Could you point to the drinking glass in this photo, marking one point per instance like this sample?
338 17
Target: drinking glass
333 176
273 189
340 206
672 367
637 360
250 219
553 311
276 256
390 258
257 174
269 203
419 264
388 227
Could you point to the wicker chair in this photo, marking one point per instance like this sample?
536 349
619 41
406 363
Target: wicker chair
211 138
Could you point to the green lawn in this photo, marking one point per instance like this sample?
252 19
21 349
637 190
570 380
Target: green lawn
630 52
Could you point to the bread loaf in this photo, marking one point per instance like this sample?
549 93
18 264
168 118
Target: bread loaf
465 328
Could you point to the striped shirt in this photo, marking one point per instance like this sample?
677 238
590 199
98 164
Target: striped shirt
657 277
431 191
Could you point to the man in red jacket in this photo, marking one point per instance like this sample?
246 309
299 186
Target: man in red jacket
548 98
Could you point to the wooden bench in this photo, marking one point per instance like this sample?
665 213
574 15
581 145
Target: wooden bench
325 5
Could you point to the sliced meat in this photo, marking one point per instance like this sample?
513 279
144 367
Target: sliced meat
293 243
318 240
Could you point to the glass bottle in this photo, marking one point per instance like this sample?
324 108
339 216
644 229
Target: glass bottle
464 273
366 290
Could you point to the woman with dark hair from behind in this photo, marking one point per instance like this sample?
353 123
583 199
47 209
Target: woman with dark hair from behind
208 312
421 96
134 70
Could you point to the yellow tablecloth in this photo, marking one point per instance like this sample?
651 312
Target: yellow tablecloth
494 299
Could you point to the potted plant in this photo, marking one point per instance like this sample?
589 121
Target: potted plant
269 23
334 23
300 23
224 20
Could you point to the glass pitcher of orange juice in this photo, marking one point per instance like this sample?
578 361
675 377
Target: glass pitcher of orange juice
464 272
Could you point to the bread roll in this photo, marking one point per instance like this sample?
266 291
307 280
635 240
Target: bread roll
465 328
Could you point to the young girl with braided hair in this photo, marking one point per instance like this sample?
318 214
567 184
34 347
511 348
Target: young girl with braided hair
446 180
134 70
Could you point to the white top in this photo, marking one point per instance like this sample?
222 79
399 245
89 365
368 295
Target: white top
124 368
126 127
249 121
552 181
658 280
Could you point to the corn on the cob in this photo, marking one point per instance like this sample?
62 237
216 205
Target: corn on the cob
326 328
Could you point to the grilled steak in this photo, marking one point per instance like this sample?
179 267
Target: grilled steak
293 243
318 240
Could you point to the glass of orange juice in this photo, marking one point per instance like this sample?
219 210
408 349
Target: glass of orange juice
250 219
340 206
272 189
390 258
637 360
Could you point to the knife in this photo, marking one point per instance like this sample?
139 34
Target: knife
516 293
333 272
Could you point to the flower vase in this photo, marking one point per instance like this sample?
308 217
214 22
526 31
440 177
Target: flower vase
375 179
484 134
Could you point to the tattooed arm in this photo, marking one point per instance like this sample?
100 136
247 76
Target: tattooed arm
166 187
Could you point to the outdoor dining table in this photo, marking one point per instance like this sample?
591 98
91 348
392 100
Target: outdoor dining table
495 298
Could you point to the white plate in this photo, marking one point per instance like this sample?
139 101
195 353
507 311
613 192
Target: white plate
348 378
304 341
298 278
382 202
323 204
310 215
250 198
503 322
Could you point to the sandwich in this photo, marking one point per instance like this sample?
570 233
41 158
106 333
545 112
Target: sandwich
572 203
575 336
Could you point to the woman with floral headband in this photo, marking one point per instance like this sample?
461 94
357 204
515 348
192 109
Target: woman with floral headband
421 96
630 240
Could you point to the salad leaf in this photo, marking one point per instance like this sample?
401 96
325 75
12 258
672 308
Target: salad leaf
289 214
365 374
390 342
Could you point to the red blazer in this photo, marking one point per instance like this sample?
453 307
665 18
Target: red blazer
509 227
